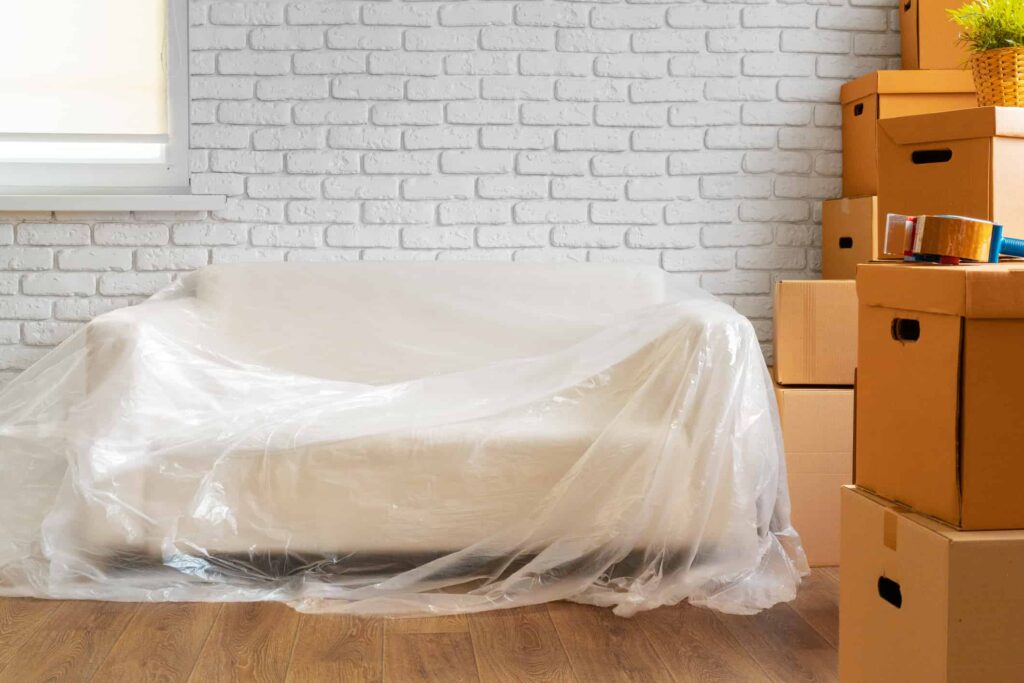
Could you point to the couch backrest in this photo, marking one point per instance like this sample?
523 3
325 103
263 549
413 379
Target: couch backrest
382 322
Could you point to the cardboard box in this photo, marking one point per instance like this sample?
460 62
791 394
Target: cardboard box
848 236
928 39
940 390
920 602
817 430
967 163
815 332
888 94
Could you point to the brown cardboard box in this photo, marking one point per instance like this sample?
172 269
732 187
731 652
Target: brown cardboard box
920 602
928 38
817 430
940 389
848 236
968 163
883 95
815 332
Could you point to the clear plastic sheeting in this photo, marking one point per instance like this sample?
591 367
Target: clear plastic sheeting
401 439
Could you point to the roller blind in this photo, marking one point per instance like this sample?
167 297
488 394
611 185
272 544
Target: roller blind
75 68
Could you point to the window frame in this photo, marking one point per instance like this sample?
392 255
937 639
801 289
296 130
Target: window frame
169 176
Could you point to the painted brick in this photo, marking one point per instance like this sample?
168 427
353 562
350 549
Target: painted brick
322 13
26 258
258 211
171 258
364 38
477 163
318 211
59 284
254 63
700 136
317 162
126 284
439 137
288 235
250 13
130 234
325 63
438 188
53 233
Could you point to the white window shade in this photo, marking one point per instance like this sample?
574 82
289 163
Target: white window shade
74 69
94 105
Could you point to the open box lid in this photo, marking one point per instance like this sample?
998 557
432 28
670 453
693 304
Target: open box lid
971 291
960 124
925 81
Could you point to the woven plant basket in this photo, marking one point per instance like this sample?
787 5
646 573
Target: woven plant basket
999 77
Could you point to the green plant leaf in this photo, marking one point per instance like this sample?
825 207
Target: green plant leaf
990 24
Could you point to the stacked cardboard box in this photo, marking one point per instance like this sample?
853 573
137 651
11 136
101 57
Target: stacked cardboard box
933 79
928 39
922 602
933 535
850 225
933 532
815 354
940 390
967 163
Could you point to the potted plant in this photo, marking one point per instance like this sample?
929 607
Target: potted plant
993 31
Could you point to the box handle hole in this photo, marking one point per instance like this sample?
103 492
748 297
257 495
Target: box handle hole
846 243
931 156
890 591
906 329
907 5
858 109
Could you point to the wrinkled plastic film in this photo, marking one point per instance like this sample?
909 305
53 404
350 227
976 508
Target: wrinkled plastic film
402 439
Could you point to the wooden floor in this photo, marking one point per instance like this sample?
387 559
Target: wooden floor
124 642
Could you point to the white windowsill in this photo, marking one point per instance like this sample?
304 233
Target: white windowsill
126 200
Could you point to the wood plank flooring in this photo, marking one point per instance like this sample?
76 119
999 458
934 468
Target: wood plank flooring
270 643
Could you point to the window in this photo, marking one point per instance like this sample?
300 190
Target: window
93 97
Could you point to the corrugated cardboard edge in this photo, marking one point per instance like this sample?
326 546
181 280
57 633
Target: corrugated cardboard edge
970 291
908 81
957 124
845 204
941 528
853 460
960 425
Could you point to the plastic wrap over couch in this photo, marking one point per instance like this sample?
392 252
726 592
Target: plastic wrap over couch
402 438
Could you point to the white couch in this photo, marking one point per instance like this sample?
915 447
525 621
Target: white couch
474 421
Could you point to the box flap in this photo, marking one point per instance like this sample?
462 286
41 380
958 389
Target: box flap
959 124
908 81
971 291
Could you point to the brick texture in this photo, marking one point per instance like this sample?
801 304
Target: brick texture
698 136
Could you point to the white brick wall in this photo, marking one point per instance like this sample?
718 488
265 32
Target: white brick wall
699 136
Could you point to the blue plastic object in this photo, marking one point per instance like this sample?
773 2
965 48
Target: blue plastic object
1007 246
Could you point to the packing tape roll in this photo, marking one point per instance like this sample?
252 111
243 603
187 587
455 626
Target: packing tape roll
953 236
